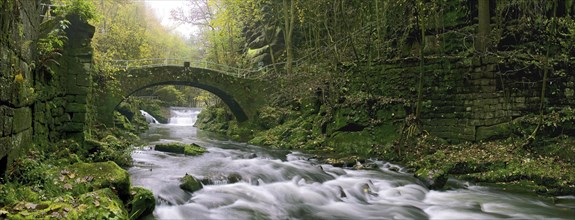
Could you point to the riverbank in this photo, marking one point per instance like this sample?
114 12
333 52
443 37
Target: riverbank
71 180
545 166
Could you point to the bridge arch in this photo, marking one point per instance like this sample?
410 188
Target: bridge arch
234 106
244 96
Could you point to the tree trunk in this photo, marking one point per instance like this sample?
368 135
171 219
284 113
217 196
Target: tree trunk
484 19
289 19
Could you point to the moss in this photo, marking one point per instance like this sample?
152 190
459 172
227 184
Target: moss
82 177
432 178
122 122
109 148
100 204
190 184
181 148
142 202
11 193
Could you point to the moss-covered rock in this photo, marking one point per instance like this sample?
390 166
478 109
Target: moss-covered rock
82 177
100 204
142 202
122 122
181 148
432 178
190 183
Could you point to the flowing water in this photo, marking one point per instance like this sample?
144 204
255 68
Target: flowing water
149 118
288 185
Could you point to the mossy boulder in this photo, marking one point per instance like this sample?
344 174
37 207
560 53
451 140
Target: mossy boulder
100 204
190 183
432 178
82 177
123 122
181 148
142 202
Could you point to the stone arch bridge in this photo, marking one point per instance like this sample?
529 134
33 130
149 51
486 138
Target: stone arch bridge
238 89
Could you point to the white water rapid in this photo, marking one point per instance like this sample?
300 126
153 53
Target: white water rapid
149 118
183 116
277 184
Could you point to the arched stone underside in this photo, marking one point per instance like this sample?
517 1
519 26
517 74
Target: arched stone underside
243 96
235 108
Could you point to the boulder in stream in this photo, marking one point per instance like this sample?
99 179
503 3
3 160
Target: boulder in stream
181 148
142 202
190 183
432 178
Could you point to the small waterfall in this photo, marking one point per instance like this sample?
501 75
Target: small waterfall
184 116
149 118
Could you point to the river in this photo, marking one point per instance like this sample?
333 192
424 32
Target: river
287 185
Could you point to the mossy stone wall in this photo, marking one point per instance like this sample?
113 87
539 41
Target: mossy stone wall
41 102
464 99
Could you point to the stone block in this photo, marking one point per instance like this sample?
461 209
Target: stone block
7 126
78 90
493 132
22 119
83 80
22 139
76 99
491 68
476 61
2 119
57 112
73 127
40 117
82 99
485 82
5 146
54 135
490 60
79 117
520 100
75 107
64 118
40 129
40 107
76 135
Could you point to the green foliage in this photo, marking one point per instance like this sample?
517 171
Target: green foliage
52 35
128 30
85 9
110 148
170 95
29 170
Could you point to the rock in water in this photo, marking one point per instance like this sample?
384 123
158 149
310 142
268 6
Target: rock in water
142 202
234 178
433 179
190 184
181 148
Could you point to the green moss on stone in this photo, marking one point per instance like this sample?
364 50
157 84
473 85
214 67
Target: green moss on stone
82 177
142 202
190 184
22 119
181 148
100 204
